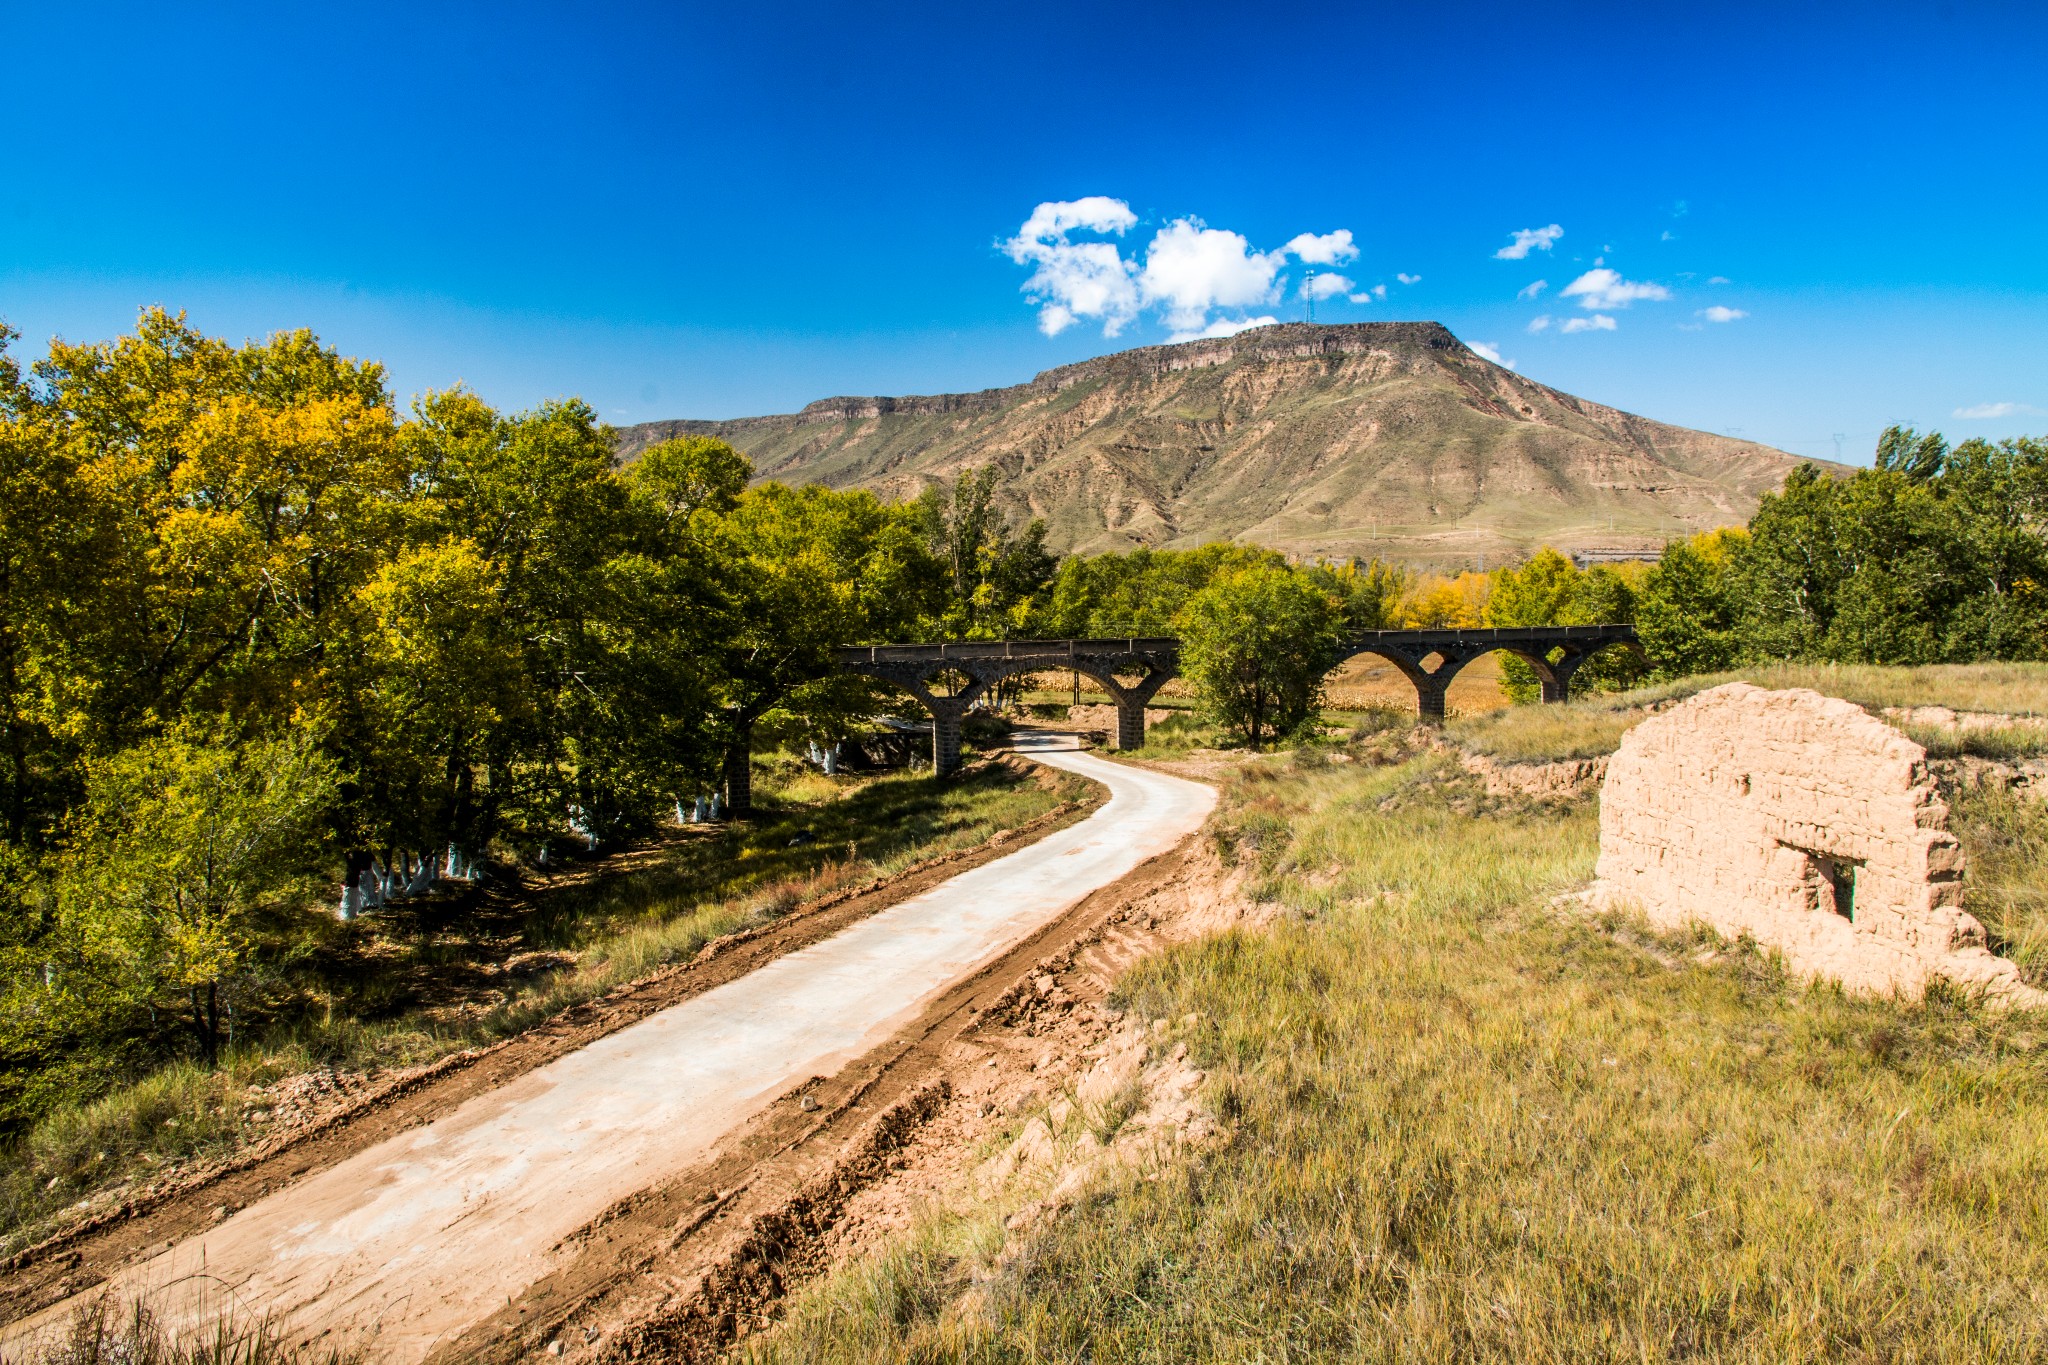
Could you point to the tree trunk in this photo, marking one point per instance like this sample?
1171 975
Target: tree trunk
203 1027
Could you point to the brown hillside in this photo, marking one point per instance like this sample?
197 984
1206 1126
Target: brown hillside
1372 438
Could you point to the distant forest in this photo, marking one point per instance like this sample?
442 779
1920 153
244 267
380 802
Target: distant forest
262 633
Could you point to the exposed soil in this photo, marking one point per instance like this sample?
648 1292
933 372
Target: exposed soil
322 1123
836 1165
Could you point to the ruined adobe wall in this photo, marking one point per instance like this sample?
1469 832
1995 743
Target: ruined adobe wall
1804 822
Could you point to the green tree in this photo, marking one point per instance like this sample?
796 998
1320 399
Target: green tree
182 846
1784 580
1549 590
1684 617
995 573
1257 642
804 571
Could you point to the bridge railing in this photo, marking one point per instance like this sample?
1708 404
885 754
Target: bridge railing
1009 649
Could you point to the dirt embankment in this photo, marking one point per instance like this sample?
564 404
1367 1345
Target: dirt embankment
335 1121
839 1164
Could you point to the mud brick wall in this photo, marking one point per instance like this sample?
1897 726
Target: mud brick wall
1800 820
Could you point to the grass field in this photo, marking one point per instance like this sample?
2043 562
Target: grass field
1468 1124
414 995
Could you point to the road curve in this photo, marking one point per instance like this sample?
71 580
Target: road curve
406 1243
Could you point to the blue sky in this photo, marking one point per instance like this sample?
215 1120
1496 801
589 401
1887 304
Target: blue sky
682 211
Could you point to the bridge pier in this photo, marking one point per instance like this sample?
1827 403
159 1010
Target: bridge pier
1130 724
948 715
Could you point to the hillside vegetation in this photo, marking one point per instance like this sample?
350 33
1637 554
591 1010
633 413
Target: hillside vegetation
1371 439
1468 1122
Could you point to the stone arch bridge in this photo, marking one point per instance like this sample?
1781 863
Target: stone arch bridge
949 678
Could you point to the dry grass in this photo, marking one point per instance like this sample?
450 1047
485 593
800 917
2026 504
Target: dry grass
101 1333
81 1157
1590 726
2005 838
2003 689
1468 1126
1542 734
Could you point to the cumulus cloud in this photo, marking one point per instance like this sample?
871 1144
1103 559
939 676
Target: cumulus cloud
1192 270
1718 279
1540 322
1491 352
1406 278
1530 291
1332 248
1603 287
1599 322
1202 281
1527 240
1985 412
1721 313
1072 280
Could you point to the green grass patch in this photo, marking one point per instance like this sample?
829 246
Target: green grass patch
1469 1126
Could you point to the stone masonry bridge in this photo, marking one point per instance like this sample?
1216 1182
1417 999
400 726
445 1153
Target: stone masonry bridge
949 678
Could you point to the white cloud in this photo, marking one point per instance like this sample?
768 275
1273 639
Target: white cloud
1405 278
1721 313
1718 279
1985 412
1599 322
1540 322
1530 291
1203 281
1491 352
1223 327
1527 240
1669 236
1332 248
1605 288
1192 270
1075 280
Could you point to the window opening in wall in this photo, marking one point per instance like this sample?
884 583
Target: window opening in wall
1833 879
1838 875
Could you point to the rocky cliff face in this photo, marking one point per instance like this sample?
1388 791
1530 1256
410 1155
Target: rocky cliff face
1374 438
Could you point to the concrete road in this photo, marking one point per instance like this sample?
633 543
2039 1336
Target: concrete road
405 1244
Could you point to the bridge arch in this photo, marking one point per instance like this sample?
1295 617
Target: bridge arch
1429 659
984 663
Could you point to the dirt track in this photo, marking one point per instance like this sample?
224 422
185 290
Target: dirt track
454 1237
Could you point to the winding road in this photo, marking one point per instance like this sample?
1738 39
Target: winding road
405 1244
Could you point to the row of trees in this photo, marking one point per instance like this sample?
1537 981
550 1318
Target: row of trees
256 626
1933 555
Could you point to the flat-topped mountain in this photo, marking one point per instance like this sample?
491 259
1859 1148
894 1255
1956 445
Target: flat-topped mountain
1389 438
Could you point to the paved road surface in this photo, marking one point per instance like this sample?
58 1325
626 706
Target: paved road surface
413 1240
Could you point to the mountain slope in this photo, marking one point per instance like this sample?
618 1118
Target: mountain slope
1372 438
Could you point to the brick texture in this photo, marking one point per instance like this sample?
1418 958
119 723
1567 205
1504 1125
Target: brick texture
1804 822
